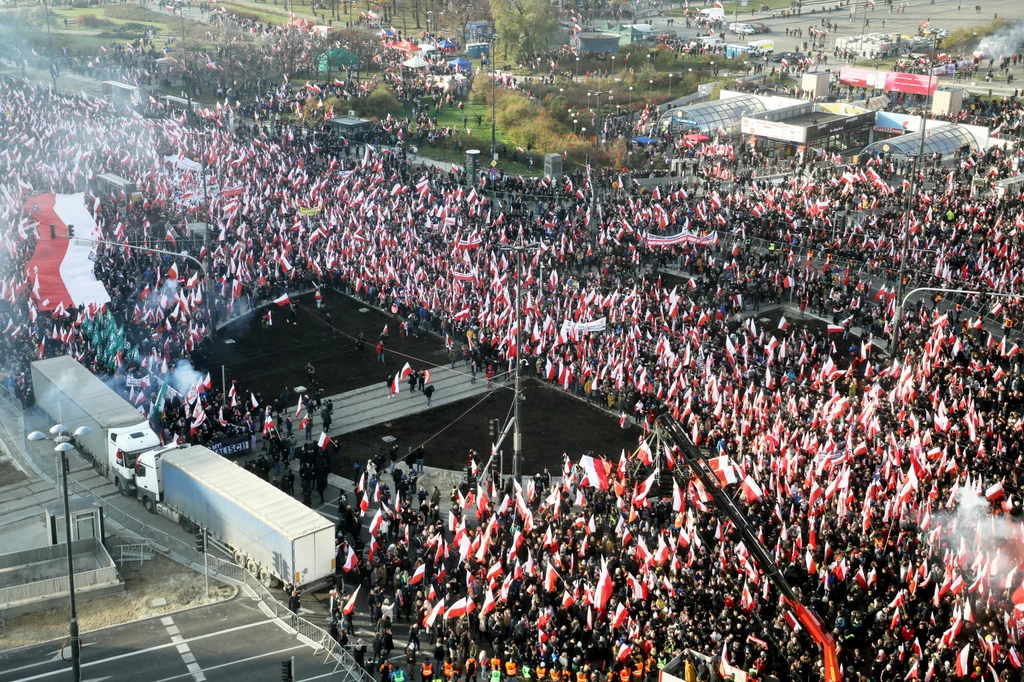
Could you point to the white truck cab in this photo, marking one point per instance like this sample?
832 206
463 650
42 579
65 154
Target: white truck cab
125 446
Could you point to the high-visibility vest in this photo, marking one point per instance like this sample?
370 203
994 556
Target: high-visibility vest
510 668
428 670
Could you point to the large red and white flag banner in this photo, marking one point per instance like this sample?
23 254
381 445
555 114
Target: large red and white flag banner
64 269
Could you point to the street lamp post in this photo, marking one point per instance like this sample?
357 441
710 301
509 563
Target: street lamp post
597 159
519 248
577 68
490 58
911 191
62 447
631 103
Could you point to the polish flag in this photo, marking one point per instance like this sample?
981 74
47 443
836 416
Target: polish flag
835 329
962 658
460 608
550 579
375 523
625 651
594 471
751 489
351 560
323 441
438 609
489 602
418 574
351 603
604 587
255 403
783 324
995 492
282 301
621 614
62 269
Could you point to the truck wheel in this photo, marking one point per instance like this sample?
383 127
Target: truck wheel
252 566
239 557
186 525
267 579
149 504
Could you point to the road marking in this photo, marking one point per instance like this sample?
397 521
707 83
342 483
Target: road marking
137 652
186 653
64 651
241 660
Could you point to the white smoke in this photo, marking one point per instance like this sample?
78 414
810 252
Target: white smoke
1004 43
184 376
996 533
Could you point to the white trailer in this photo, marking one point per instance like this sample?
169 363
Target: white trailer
269 532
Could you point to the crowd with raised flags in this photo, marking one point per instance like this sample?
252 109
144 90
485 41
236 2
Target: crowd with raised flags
886 489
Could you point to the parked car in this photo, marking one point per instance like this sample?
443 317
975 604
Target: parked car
761 28
791 57
742 29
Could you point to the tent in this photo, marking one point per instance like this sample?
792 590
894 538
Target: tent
645 140
460 63
337 58
446 45
386 33
405 46
415 63
696 137
427 47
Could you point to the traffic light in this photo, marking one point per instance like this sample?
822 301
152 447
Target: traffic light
490 428
71 231
288 670
200 542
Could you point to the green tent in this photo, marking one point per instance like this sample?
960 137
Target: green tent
337 58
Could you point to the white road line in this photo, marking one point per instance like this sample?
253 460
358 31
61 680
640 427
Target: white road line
186 653
137 652
241 660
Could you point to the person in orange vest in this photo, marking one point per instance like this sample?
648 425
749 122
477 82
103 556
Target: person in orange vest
624 673
511 669
651 667
638 669
449 669
427 671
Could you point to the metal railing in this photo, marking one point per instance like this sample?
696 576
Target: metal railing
57 586
140 552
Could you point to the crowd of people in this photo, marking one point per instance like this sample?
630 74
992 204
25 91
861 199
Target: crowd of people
886 489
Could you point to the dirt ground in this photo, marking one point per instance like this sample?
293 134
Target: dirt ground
553 423
157 578
266 359
10 473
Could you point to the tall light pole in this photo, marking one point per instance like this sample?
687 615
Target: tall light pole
490 58
63 441
911 191
597 161
519 248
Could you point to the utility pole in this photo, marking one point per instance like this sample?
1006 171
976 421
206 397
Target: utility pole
911 192
519 248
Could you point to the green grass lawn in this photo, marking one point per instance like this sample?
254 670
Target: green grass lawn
267 13
79 20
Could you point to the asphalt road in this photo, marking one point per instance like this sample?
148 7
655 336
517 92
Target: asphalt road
228 641
940 14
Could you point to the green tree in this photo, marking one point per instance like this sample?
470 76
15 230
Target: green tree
523 26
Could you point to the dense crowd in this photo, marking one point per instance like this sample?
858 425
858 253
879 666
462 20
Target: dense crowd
883 489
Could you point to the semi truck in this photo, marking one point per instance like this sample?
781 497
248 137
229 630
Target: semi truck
276 537
73 396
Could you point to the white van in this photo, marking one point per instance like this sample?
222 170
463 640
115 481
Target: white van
761 46
712 42
713 13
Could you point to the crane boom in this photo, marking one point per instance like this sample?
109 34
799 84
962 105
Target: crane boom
697 463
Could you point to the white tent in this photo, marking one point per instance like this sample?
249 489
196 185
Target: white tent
415 63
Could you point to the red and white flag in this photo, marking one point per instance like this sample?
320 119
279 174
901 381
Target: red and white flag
282 301
62 268
323 441
351 603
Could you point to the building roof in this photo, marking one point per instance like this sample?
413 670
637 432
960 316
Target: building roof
945 139
708 117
